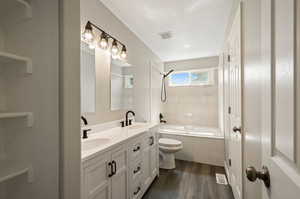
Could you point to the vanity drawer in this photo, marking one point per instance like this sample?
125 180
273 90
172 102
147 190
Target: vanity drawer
135 169
136 189
135 148
149 140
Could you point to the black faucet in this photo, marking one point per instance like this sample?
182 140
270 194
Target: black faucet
161 118
127 123
85 131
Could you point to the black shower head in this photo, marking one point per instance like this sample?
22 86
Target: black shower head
168 73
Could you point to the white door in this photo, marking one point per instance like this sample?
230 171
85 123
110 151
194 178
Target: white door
119 179
235 98
280 97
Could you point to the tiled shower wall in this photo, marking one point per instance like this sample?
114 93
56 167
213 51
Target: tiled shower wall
196 105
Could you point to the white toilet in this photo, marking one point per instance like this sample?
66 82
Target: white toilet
168 148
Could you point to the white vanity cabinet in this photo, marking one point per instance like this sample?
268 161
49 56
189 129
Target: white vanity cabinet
136 167
124 172
143 155
105 176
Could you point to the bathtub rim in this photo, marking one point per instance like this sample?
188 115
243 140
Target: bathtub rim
177 133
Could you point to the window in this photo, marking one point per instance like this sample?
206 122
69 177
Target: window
192 78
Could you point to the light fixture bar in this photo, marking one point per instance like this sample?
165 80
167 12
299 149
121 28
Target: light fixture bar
103 32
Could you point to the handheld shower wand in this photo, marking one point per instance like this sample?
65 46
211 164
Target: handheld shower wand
163 95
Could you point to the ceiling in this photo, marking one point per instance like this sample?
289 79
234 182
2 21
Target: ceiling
197 26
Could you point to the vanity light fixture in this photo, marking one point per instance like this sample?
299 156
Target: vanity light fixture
89 36
123 53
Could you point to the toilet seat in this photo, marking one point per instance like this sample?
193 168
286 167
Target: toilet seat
166 142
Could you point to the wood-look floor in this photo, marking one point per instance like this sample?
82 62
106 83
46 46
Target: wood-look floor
189 181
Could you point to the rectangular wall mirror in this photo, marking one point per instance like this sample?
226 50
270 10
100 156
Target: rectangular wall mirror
88 79
121 89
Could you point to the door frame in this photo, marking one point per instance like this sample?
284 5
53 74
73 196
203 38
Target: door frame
69 100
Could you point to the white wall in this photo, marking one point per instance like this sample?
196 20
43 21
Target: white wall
139 56
1 38
156 104
193 105
38 39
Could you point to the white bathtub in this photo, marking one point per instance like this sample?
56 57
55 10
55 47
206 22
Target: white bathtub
189 130
200 144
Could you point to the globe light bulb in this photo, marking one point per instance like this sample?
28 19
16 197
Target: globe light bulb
88 34
115 56
123 53
114 48
92 45
103 41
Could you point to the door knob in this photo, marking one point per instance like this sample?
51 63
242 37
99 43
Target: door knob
263 175
237 129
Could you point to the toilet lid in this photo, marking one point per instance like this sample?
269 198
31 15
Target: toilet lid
169 142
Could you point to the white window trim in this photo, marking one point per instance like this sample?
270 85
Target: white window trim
211 78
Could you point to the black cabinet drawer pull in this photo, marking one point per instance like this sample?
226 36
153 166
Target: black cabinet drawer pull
137 170
114 166
136 149
137 191
151 140
111 169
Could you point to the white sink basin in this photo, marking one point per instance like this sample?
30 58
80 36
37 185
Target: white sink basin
90 144
137 126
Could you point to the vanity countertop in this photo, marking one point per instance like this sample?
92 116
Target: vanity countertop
105 140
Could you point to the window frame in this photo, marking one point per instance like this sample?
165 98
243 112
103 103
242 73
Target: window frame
210 81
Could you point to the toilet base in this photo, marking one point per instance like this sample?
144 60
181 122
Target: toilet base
167 161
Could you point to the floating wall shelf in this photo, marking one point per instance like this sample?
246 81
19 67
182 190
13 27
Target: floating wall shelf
15 10
8 58
11 170
28 115
27 8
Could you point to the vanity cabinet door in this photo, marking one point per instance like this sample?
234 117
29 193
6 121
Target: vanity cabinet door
119 179
95 181
153 156
146 167
137 189
148 164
